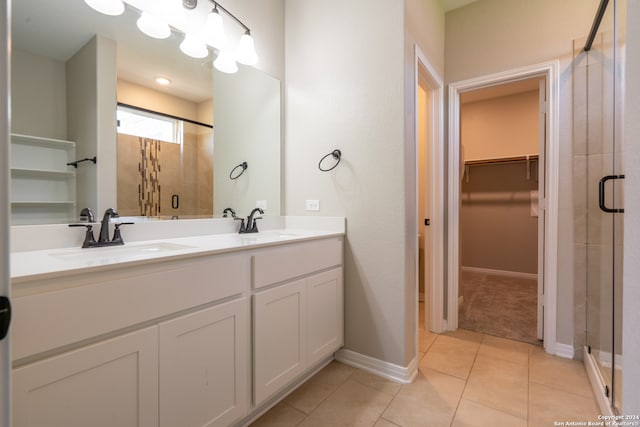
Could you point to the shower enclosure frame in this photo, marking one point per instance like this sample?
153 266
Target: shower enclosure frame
598 97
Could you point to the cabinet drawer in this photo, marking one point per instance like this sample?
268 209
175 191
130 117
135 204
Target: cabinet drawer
275 265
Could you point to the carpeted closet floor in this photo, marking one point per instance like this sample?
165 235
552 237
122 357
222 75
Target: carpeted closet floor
499 305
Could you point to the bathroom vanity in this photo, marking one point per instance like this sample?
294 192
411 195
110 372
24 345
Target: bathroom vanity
191 331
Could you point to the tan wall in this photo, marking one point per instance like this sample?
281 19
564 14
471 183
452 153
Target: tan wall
497 230
140 96
500 127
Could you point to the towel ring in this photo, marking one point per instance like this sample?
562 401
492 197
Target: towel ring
242 165
336 154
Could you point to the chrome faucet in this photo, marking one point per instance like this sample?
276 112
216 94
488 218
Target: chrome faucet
104 228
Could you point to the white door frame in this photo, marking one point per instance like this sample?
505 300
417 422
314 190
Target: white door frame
436 296
5 353
549 70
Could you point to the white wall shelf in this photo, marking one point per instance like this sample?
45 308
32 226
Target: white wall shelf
43 186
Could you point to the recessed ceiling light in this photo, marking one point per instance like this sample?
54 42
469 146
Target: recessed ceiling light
163 81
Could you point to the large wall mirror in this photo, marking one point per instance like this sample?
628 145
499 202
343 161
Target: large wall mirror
84 89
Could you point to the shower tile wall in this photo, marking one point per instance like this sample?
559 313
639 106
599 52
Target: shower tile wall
151 172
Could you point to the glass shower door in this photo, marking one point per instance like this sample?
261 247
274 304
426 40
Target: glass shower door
604 205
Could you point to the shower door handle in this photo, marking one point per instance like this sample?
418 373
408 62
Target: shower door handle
601 194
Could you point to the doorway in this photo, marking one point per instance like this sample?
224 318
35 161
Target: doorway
429 149
501 138
547 196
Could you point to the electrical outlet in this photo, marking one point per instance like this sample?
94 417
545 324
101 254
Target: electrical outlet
313 205
262 204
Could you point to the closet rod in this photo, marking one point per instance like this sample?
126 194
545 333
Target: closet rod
501 160
596 24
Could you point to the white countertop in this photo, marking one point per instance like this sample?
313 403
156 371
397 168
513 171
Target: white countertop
57 262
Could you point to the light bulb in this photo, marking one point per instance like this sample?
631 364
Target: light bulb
108 7
194 47
246 51
225 62
213 31
152 26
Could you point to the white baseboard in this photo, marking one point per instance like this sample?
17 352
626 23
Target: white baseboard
597 384
400 374
563 350
605 359
500 272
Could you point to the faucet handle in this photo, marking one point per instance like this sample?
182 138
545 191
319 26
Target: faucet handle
242 226
89 240
117 237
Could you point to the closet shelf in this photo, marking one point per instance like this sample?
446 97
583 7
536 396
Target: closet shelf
522 158
43 173
42 203
17 138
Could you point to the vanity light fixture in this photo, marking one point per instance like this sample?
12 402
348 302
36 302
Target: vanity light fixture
245 52
153 26
225 62
213 31
163 81
194 47
108 7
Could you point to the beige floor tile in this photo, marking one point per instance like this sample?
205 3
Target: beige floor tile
499 384
430 400
465 334
353 404
312 393
549 404
281 415
425 339
565 374
452 356
472 414
504 349
376 382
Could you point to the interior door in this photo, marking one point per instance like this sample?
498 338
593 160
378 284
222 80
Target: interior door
5 356
424 196
542 206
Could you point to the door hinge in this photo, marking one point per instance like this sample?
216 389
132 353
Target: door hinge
606 391
5 316
427 221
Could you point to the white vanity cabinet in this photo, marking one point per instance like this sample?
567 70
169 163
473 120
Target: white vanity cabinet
161 344
298 312
111 383
203 366
192 341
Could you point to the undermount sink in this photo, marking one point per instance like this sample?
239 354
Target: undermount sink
111 252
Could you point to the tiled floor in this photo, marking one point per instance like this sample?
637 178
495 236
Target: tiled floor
465 379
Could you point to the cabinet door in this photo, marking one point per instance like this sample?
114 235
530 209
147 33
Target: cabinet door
278 327
325 315
111 383
203 367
